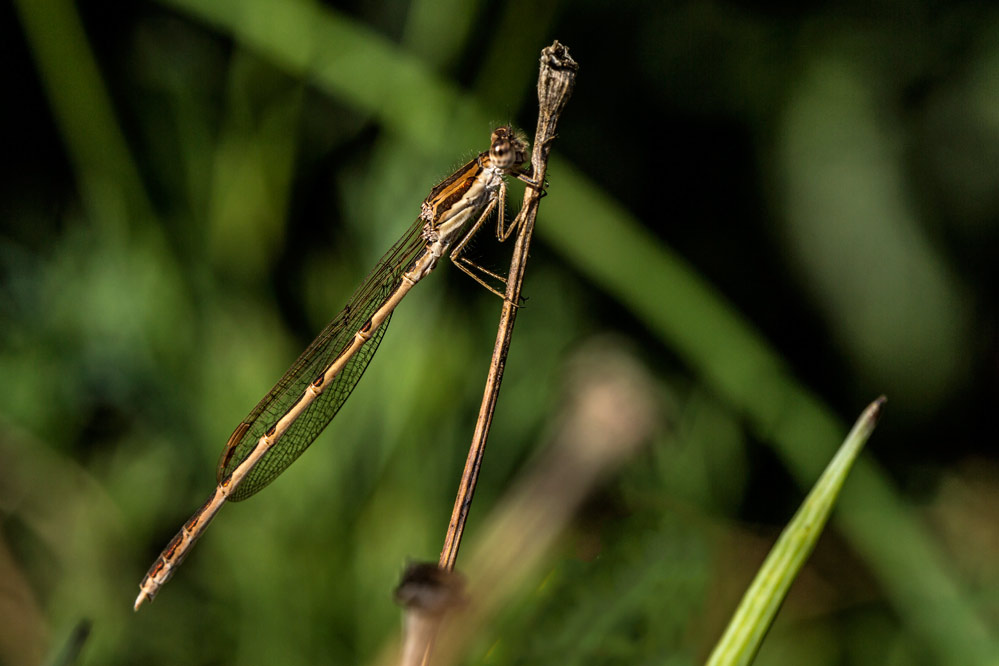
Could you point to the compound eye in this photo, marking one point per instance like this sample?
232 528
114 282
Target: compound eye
501 154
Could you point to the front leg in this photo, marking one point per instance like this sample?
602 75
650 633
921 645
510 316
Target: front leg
524 176
467 265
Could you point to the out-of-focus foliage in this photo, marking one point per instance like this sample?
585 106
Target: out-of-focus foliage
787 210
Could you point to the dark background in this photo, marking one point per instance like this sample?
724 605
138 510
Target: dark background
781 212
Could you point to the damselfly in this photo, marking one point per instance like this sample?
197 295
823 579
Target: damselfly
287 420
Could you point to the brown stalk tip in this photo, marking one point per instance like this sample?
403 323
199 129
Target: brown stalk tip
557 56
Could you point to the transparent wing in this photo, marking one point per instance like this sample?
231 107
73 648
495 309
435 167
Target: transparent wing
383 280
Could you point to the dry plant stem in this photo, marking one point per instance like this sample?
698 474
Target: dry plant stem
608 413
609 410
556 78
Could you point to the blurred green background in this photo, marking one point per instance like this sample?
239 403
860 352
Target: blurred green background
783 211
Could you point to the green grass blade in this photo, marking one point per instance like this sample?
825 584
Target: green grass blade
756 612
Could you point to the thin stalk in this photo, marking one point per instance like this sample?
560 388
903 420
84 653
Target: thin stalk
556 78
